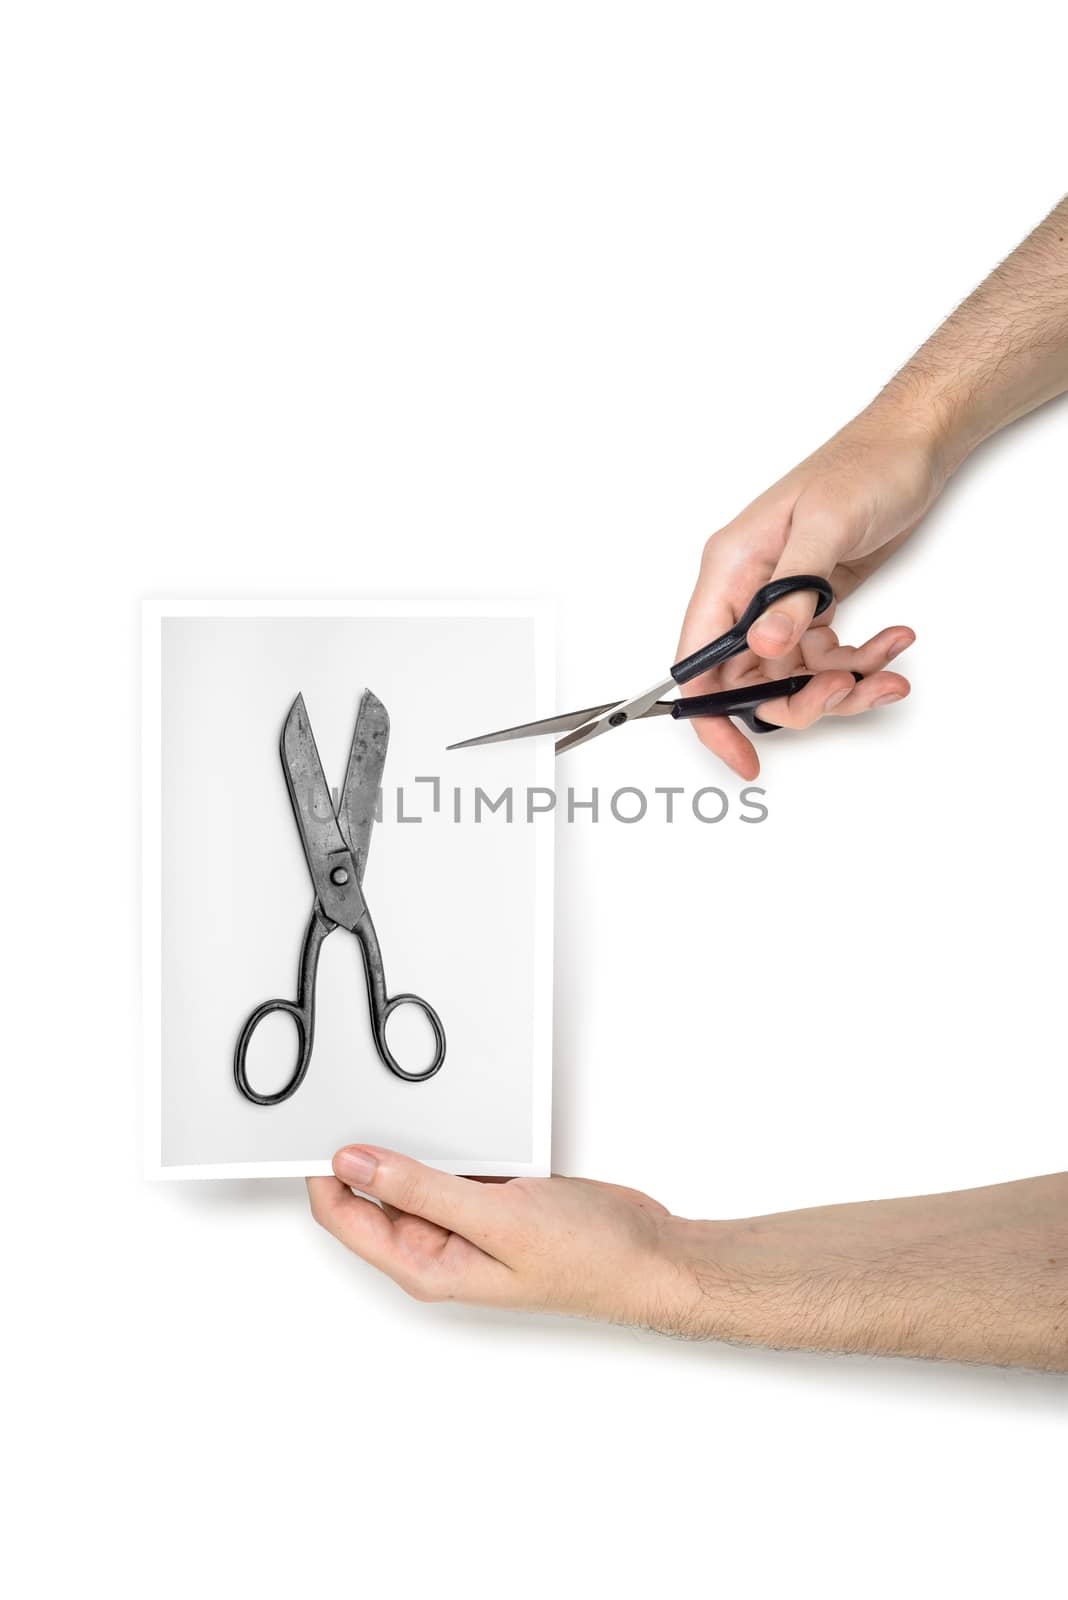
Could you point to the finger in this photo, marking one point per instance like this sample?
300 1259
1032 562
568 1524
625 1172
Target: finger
359 1224
817 648
822 694
820 654
720 735
421 1239
748 668
818 534
881 689
724 588
427 1262
708 615
395 1214
456 1204
834 694
779 630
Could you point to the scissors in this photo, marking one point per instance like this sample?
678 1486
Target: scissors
578 726
336 841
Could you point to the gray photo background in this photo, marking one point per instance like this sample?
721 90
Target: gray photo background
453 903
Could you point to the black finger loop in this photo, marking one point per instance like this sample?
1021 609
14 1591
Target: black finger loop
733 641
756 724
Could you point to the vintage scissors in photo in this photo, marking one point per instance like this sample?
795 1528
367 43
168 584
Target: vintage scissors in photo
578 726
336 842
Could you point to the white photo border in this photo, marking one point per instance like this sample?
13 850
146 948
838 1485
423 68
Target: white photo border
154 611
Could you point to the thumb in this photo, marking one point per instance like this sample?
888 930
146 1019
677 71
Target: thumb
456 1204
814 543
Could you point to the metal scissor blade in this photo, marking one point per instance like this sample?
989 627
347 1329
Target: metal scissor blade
640 705
363 780
560 724
531 730
330 861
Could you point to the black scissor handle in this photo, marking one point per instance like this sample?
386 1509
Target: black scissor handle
382 1006
737 702
733 642
302 1011
743 702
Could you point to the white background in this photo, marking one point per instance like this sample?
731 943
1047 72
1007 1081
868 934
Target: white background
382 298
461 900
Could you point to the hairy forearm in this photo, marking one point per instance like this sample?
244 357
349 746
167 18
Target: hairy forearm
1002 352
978 1275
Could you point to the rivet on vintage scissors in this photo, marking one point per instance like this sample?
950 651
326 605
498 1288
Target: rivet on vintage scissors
336 842
578 726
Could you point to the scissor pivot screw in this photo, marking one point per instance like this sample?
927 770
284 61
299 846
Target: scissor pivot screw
339 876
617 718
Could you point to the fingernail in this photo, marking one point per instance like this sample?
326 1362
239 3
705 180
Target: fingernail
887 699
895 650
356 1167
836 699
776 629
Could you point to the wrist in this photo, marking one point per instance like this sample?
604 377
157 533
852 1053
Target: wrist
707 1289
933 412
923 423
757 1281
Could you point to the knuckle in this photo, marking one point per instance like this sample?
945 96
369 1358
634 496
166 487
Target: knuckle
710 547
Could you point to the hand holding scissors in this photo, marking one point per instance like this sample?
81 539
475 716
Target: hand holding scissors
742 700
335 847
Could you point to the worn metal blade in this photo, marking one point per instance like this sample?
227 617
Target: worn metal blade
646 704
560 724
363 780
330 861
